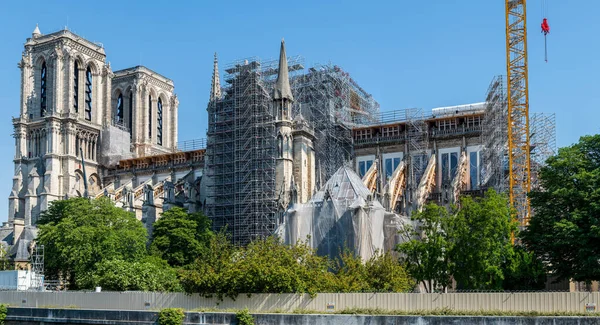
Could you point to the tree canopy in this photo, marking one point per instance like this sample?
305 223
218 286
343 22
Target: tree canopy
425 249
269 266
481 241
471 244
78 233
564 231
180 237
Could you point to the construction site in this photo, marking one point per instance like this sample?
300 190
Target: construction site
242 137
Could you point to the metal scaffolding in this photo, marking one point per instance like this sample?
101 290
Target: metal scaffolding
241 138
543 143
494 138
333 103
37 268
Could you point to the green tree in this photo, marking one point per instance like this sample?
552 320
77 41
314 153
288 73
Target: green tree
149 274
387 275
524 271
5 263
424 251
564 231
180 237
264 266
78 233
480 235
211 272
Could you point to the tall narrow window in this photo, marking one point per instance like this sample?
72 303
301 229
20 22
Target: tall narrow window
150 116
43 90
88 94
159 122
76 87
120 109
130 113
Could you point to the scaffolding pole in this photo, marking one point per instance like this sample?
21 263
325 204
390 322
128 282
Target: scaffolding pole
494 138
543 143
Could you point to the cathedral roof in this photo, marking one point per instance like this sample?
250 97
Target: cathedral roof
282 88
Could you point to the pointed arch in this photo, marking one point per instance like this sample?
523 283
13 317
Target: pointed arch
76 86
159 122
119 106
279 146
89 81
129 110
43 89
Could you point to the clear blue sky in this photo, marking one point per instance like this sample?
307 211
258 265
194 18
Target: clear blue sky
406 53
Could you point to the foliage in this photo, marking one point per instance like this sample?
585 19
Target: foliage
480 241
244 317
150 274
3 312
424 251
381 273
264 266
387 275
171 316
471 244
524 271
78 233
5 263
269 266
564 231
450 312
179 237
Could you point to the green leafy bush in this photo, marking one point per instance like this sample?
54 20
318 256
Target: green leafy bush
171 316
244 317
3 311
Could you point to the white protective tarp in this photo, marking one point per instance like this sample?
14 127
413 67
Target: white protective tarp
342 215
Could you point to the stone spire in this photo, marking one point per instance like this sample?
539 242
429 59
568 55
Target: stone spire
215 86
282 85
36 32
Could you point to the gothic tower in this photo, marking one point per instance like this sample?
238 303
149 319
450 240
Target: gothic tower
65 86
282 103
74 107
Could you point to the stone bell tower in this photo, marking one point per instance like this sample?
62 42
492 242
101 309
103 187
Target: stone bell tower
282 104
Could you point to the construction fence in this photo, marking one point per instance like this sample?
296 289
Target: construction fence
324 302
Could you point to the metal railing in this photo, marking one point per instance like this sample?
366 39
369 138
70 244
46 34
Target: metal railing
190 145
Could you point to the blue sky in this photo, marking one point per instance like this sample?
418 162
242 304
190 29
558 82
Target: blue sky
406 53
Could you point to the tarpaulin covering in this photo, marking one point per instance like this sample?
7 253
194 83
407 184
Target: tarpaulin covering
342 215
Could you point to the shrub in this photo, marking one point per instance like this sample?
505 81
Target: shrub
244 317
171 316
3 311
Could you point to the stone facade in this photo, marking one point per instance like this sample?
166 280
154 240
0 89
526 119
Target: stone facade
74 107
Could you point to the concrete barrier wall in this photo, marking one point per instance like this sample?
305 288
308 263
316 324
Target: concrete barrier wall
42 316
323 302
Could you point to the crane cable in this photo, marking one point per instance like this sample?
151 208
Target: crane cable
545 27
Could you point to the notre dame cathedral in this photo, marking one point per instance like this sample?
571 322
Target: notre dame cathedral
75 110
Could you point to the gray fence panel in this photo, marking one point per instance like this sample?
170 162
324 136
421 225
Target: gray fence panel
532 301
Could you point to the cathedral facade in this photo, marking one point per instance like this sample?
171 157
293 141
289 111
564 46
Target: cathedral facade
78 119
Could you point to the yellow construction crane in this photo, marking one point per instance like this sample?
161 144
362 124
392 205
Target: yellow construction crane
518 108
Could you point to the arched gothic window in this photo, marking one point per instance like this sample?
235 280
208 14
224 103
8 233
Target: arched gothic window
120 108
150 116
130 113
280 145
76 87
159 122
88 94
43 103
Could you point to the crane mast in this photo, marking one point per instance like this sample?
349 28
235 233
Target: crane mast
518 108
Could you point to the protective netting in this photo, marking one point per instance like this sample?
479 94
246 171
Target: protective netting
342 215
